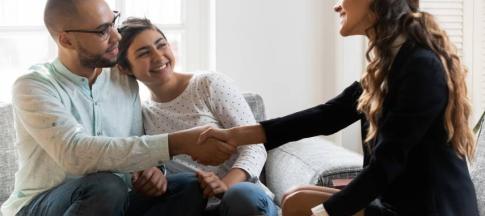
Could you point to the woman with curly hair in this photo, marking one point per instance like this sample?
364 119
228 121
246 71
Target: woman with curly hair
413 105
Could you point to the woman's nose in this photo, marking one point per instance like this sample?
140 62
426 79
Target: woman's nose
338 7
157 56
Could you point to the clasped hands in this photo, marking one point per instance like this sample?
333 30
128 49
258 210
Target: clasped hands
205 144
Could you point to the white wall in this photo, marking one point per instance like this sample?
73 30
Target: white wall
289 51
350 65
281 49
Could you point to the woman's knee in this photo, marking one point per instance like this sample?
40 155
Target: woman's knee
246 199
293 190
300 202
290 202
242 191
292 197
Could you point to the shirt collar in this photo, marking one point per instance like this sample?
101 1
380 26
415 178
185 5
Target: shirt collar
78 80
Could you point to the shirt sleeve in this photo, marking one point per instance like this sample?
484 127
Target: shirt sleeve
324 119
40 111
420 97
231 109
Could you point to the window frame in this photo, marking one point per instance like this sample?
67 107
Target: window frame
196 30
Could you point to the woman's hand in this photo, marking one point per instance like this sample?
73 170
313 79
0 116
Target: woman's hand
223 135
211 184
236 136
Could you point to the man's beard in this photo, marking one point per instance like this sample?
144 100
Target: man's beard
94 61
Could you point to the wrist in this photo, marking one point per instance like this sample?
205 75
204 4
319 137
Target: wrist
251 134
234 176
176 144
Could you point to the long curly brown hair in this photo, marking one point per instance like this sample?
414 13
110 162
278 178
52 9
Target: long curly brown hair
402 17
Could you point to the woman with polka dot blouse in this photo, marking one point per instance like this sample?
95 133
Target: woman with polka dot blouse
180 101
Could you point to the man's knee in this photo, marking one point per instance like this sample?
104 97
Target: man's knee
105 182
99 194
105 187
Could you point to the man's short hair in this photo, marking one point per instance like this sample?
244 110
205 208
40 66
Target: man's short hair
58 14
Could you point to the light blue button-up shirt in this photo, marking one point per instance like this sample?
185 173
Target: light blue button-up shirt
67 129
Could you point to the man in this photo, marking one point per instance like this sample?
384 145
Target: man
77 123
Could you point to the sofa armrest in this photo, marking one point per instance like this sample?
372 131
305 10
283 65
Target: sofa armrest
8 155
309 161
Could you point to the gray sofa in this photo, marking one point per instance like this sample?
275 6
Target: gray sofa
478 169
308 161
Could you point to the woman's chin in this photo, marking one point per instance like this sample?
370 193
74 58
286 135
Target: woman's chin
347 32
344 32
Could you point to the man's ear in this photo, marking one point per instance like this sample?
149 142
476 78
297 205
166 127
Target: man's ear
65 41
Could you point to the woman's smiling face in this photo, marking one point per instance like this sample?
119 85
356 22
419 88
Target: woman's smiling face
356 16
151 57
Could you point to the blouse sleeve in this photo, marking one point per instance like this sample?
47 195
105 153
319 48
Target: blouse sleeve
324 119
231 109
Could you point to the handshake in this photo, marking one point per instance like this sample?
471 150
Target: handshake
213 146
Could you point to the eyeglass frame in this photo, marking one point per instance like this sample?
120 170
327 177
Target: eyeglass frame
104 34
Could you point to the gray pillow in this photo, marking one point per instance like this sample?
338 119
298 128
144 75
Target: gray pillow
8 155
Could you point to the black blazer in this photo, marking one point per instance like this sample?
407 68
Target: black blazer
411 168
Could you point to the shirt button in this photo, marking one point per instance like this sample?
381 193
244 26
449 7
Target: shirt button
95 103
99 133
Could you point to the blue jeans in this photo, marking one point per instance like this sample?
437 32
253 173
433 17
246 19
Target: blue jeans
106 194
245 199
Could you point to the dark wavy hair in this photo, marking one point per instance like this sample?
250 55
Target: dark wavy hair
403 17
129 29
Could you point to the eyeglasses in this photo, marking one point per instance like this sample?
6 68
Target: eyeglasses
104 30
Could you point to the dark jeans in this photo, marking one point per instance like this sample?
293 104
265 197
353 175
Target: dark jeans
106 194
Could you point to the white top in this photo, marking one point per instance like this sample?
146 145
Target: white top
208 99
66 129
319 210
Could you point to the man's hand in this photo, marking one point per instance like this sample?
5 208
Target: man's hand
209 152
211 184
150 182
212 152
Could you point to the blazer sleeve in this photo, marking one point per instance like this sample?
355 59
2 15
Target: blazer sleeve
324 119
420 98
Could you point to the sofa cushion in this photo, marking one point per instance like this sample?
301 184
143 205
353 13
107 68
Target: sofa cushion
256 104
8 156
308 161
478 170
